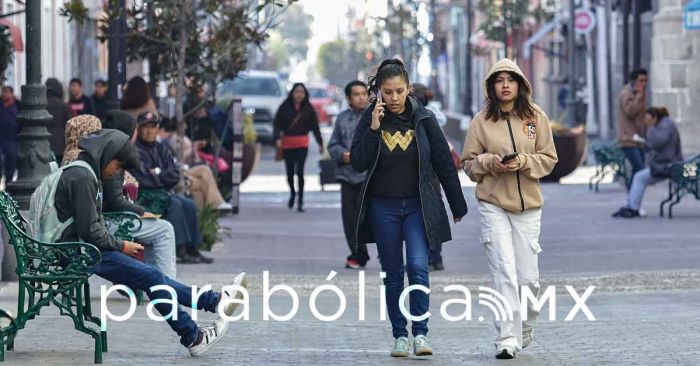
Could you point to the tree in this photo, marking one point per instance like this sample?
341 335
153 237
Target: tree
295 29
195 42
334 62
6 50
502 16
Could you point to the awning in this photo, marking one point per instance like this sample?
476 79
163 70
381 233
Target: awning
15 33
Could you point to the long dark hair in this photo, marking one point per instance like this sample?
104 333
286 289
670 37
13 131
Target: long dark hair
523 107
137 93
658 112
306 107
388 69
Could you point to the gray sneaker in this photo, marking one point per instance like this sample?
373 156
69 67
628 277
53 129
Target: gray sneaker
527 336
401 347
421 346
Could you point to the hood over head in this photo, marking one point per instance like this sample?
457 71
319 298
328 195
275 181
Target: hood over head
101 147
120 120
510 66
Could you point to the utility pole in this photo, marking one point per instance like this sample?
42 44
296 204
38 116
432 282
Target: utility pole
637 36
34 151
625 39
571 94
467 103
117 56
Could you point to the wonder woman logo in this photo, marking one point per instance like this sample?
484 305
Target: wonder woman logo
398 138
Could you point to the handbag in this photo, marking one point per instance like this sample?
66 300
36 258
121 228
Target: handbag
660 169
279 154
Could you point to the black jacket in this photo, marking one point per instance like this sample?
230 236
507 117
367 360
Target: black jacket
152 156
114 199
78 194
60 112
434 161
308 122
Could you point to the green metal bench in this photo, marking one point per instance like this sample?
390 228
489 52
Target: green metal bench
609 159
124 225
155 201
684 180
7 333
52 273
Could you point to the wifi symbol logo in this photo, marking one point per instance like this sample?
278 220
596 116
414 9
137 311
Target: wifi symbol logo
496 302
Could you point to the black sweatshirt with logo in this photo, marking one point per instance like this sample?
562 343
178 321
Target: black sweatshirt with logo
396 173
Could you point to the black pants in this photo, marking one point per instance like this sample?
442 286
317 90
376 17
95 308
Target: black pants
349 199
8 159
294 160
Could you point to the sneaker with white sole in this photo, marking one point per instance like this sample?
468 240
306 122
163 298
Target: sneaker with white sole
401 347
208 336
421 346
230 294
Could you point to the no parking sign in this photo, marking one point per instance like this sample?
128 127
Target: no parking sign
584 21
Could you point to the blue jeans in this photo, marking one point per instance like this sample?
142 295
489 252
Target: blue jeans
158 237
121 269
635 155
394 221
640 182
182 213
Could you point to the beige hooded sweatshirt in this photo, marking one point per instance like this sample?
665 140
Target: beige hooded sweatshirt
487 140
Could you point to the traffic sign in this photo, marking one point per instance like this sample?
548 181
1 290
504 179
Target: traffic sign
584 21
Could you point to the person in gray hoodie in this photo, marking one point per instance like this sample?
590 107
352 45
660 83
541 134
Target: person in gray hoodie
350 180
61 113
664 143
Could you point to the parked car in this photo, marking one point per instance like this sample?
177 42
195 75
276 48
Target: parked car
261 92
322 101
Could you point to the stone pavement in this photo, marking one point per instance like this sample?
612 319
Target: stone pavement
646 273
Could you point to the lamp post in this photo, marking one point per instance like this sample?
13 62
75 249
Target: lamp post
117 56
34 151
571 94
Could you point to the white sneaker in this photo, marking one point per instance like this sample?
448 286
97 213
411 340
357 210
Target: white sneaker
230 294
224 207
643 212
211 335
505 353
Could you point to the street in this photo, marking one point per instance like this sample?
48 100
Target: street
645 273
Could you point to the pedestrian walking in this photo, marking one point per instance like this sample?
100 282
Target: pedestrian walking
99 99
350 180
508 148
61 113
399 143
294 119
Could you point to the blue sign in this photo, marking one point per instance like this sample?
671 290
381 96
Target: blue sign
691 15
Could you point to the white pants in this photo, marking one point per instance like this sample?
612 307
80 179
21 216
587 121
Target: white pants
511 241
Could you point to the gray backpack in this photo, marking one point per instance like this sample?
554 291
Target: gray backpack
44 224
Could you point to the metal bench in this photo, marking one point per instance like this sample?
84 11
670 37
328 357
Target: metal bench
609 159
683 180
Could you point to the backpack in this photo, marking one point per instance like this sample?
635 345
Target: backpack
44 224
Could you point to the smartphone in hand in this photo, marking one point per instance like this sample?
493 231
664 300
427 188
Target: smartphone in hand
509 157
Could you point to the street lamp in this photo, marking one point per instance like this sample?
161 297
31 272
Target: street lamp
34 152
571 94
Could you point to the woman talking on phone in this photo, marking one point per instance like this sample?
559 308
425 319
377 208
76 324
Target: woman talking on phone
400 145
508 148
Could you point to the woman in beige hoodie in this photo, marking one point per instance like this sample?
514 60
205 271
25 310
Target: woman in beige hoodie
509 147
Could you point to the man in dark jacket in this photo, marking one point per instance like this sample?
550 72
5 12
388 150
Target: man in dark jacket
8 133
158 170
60 112
157 235
78 196
350 180
78 102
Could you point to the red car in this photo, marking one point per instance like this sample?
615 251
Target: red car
320 99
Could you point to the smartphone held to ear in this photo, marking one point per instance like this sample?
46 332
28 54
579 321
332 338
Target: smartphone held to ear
509 157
